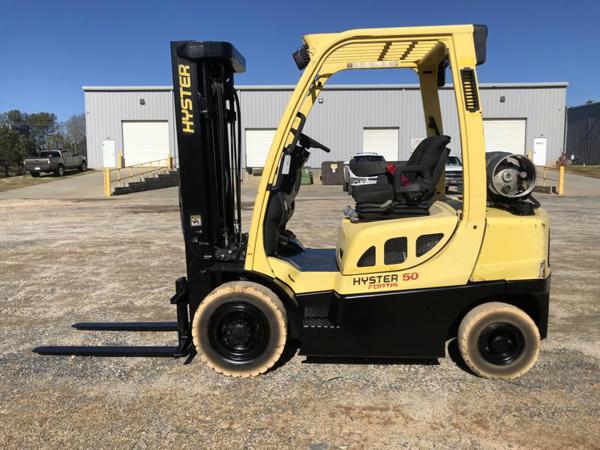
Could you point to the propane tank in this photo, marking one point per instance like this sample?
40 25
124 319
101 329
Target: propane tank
509 176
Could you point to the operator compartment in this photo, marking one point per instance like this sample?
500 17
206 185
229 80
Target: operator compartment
394 244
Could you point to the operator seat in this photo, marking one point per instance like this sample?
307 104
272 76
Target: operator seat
403 190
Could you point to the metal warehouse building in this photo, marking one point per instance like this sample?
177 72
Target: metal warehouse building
583 133
138 122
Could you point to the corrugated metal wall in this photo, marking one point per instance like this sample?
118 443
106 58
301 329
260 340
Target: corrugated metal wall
339 120
583 133
106 110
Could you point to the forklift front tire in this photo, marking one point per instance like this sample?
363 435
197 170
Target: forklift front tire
498 341
240 329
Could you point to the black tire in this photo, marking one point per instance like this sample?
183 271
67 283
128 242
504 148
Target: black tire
349 189
60 170
240 329
83 166
345 187
35 174
498 341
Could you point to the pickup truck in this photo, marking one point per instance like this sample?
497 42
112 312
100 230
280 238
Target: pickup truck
454 173
57 161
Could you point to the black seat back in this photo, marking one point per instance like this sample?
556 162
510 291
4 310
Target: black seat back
429 152
416 181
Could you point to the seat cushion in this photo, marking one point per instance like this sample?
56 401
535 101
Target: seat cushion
373 193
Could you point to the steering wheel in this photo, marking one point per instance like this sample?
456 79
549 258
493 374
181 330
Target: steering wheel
308 142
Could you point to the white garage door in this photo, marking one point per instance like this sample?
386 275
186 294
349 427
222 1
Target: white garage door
258 143
503 135
145 142
381 140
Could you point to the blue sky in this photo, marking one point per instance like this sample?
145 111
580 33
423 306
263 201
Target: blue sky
51 49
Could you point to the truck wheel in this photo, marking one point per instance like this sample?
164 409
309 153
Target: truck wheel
60 170
498 341
240 329
35 174
83 166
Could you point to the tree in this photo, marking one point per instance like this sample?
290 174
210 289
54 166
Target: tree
15 120
75 132
42 126
13 149
13 116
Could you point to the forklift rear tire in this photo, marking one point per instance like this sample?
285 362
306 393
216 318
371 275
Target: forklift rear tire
240 329
498 341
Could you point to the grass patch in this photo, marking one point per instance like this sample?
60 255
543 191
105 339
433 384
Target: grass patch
21 181
588 171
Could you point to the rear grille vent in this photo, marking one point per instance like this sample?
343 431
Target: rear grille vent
426 242
368 258
470 89
395 250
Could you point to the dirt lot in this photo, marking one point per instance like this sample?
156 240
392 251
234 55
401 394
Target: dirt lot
66 261
21 181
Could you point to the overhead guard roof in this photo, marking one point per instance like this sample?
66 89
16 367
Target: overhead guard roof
406 46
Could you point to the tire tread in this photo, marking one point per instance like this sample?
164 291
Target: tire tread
245 288
476 315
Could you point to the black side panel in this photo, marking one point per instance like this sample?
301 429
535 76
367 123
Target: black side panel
480 34
410 323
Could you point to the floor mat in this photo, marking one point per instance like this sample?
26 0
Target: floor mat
314 260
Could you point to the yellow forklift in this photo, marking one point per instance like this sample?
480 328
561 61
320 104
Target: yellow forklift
412 269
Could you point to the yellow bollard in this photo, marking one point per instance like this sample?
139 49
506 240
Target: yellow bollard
107 191
561 180
170 162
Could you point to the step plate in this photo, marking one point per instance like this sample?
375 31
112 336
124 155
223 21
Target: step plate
318 322
108 351
126 326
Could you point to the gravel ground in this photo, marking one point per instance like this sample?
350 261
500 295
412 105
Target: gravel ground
66 261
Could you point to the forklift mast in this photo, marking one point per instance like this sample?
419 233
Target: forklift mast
208 136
